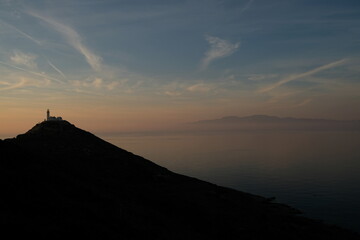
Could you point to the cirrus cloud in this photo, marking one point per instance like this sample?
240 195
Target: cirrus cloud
20 58
219 48
302 75
200 87
73 38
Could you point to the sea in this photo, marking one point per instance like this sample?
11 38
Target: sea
317 172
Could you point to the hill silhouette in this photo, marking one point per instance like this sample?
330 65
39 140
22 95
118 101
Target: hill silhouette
59 181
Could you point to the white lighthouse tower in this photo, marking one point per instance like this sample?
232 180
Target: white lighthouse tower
51 118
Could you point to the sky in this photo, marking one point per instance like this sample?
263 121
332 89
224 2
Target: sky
138 65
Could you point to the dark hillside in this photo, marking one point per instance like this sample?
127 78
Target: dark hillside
58 181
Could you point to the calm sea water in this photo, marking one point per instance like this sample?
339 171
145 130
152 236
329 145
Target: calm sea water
316 172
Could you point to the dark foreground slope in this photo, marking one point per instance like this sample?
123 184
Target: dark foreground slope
58 181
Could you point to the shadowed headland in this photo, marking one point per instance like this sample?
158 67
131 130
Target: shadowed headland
60 181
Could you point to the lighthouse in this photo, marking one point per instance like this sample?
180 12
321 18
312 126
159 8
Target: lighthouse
51 118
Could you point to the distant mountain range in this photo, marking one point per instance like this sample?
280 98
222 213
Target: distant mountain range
273 122
61 182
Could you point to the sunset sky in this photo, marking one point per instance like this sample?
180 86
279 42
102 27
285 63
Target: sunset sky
134 65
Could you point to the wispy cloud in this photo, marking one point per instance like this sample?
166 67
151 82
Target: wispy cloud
302 75
56 69
112 85
200 87
16 82
95 84
73 38
219 48
20 58
192 89
24 34
260 77
9 86
31 72
246 7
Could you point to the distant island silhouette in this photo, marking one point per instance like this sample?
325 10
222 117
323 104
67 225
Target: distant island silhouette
59 181
265 122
